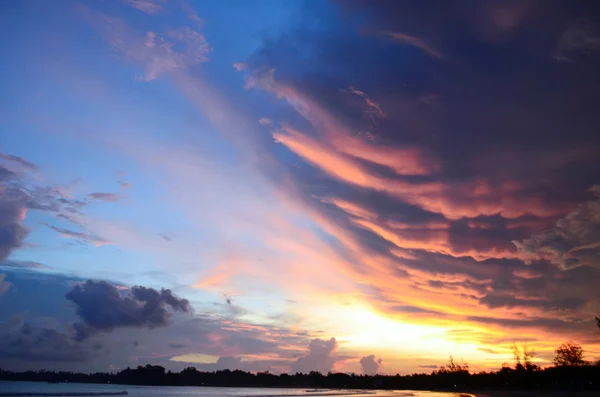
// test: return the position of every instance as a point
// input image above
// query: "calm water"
(189, 391)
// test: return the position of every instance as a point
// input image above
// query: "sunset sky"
(289, 185)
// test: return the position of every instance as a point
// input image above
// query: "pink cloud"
(402, 38)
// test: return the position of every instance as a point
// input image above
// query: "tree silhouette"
(598, 321)
(569, 354)
(524, 355)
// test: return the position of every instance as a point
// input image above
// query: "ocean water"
(8, 388)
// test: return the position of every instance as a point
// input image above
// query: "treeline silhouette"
(452, 377)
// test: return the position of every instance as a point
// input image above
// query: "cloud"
(370, 365)
(373, 110)
(320, 357)
(415, 213)
(4, 285)
(414, 41)
(12, 229)
(211, 331)
(166, 236)
(19, 161)
(422, 206)
(23, 264)
(579, 40)
(82, 237)
(239, 66)
(573, 241)
(159, 53)
(103, 307)
(107, 197)
(150, 7)
(23, 341)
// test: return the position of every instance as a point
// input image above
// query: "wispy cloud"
(20, 161)
(150, 7)
(373, 110)
(107, 197)
(82, 237)
(414, 41)
(157, 52)
(23, 264)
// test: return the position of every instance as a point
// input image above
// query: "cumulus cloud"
(320, 357)
(573, 241)
(104, 307)
(370, 365)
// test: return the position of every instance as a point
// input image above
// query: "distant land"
(448, 378)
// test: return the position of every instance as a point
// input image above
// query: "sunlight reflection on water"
(189, 391)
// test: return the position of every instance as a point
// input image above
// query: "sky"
(354, 186)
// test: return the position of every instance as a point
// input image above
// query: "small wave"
(72, 394)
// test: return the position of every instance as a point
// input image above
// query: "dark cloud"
(103, 307)
(486, 139)
(23, 341)
(370, 364)
(320, 357)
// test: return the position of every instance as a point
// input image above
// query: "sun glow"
(367, 330)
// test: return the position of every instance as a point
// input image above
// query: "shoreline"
(531, 393)
(351, 391)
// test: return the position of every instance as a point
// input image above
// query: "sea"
(40, 389)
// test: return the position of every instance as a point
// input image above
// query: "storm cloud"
(104, 307)
(433, 195)
(22, 341)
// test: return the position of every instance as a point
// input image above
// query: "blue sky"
(295, 172)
